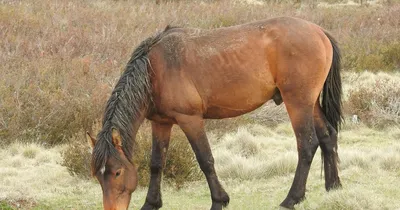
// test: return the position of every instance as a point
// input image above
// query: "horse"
(186, 75)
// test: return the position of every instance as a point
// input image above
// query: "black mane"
(129, 100)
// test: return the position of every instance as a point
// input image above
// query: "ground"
(255, 164)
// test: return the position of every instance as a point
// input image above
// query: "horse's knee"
(333, 134)
(329, 141)
(307, 152)
(156, 165)
(307, 155)
(206, 163)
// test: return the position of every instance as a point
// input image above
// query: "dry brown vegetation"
(374, 98)
(61, 59)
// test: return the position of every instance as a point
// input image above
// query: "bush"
(54, 104)
(181, 164)
(376, 99)
(372, 55)
(391, 55)
(76, 157)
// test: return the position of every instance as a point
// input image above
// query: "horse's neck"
(136, 125)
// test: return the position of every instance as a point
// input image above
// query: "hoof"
(284, 208)
(216, 206)
(333, 186)
(289, 202)
(223, 202)
(148, 206)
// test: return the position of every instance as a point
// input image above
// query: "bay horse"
(185, 75)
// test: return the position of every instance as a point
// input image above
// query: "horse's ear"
(92, 140)
(116, 138)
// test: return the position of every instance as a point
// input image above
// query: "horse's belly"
(238, 100)
(220, 112)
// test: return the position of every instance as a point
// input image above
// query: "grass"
(5, 206)
(256, 177)
(60, 60)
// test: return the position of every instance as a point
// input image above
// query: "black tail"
(332, 92)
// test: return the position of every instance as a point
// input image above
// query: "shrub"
(372, 55)
(53, 105)
(391, 55)
(376, 99)
(181, 164)
(76, 157)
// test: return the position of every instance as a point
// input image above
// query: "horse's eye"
(118, 173)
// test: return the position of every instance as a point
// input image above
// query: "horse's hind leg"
(301, 115)
(327, 137)
(193, 127)
(161, 136)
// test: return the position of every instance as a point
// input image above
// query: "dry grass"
(256, 177)
(27, 180)
(60, 60)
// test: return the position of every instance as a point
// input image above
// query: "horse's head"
(117, 177)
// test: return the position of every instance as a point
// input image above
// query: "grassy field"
(255, 163)
(61, 59)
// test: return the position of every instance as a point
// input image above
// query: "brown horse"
(183, 76)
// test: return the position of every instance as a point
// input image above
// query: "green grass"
(5, 206)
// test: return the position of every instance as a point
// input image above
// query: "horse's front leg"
(193, 127)
(161, 137)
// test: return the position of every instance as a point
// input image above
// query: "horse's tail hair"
(332, 94)
(332, 91)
